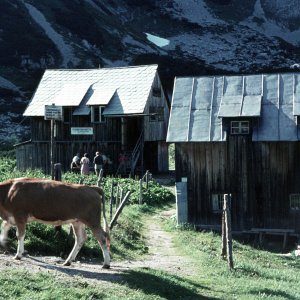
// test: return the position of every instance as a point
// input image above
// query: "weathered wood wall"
(106, 137)
(156, 130)
(259, 175)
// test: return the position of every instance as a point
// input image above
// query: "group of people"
(82, 165)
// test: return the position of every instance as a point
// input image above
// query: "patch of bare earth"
(163, 256)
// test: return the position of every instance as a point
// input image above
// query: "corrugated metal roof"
(200, 103)
(133, 85)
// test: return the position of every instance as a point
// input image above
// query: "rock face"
(184, 37)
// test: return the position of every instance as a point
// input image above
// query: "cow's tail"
(105, 223)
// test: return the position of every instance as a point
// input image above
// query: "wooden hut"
(109, 109)
(239, 135)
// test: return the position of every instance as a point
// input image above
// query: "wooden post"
(52, 149)
(57, 172)
(100, 177)
(228, 232)
(119, 210)
(142, 154)
(141, 191)
(223, 251)
(121, 196)
(117, 195)
(57, 177)
(111, 199)
(147, 180)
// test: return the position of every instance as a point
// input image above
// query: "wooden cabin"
(239, 135)
(109, 109)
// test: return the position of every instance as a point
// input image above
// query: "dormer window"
(97, 114)
(239, 127)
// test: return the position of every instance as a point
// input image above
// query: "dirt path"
(162, 255)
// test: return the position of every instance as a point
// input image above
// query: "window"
(156, 113)
(97, 114)
(217, 202)
(156, 92)
(67, 114)
(295, 201)
(239, 127)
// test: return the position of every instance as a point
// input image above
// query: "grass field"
(258, 274)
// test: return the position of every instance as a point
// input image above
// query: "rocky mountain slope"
(185, 37)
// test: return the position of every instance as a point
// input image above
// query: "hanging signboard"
(53, 112)
(81, 130)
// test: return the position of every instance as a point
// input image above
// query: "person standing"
(75, 164)
(98, 162)
(85, 165)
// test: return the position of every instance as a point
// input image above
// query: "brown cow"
(23, 200)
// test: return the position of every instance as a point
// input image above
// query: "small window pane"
(67, 114)
(295, 201)
(217, 202)
(239, 127)
(97, 114)
(156, 113)
(101, 117)
(244, 130)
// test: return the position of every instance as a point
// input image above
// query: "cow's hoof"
(17, 257)
(67, 263)
(106, 267)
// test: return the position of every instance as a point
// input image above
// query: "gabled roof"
(200, 104)
(124, 90)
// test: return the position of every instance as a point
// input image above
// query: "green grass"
(258, 274)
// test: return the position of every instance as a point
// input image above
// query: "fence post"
(223, 251)
(147, 179)
(100, 177)
(57, 177)
(141, 191)
(228, 231)
(117, 195)
(111, 199)
(57, 172)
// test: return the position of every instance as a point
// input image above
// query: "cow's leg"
(100, 235)
(5, 226)
(20, 235)
(80, 238)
